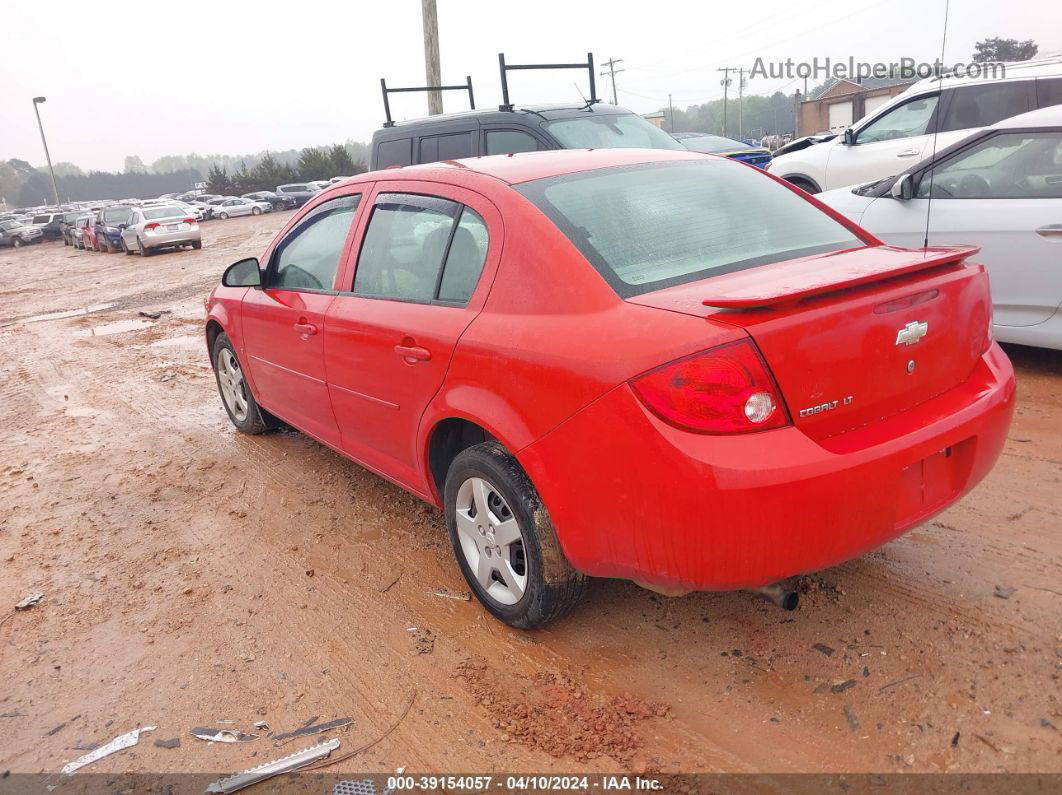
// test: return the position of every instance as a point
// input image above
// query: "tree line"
(313, 163)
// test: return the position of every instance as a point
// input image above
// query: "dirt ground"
(192, 575)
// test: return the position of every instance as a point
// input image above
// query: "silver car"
(164, 226)
(234, 205)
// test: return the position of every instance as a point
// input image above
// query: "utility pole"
(671, 113)
(741, 88)
(612, 72)
(725, 82)
(37, 101)
(432, 69)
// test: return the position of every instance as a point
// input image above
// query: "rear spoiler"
(793, 280)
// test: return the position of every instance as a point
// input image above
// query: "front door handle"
(413, 353)
(1053, 232)
(305, 330)
(908, 153)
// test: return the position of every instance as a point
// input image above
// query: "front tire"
(16, 243)
(236, 396)
(126, 248)
(504, 540)
(256, 211)
(223, 216)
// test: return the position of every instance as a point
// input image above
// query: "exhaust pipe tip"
(781, 594)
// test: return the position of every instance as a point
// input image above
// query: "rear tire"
(240, 405)
(197, 244)
(504, 540)
(144, 250)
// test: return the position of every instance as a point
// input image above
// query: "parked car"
(320, 184)
(67, 226)
(196, 210)
(482, 334)
(234, 205)
(109, 224)
(276, 201)
(152, 228)
(334, 180)
(726, 147)
(523, 129)
(298, 192)
(89, 239)
(932, 112)
(1000, 189)
(50, 224)
(16, 234)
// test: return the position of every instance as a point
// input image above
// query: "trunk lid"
(853, 337)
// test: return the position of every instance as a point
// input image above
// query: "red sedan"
(666, 367)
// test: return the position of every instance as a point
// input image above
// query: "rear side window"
(504, 142)
(445, 147)
(981, 105)
(307, 259)
(652, 226)
(421, 248)
(398, 152)
(1048, 91)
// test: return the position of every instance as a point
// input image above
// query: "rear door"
(283, 321)
(420, 277)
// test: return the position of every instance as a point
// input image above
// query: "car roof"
(548, 112)
(519, 167)
(1044, 117)
(1050, 66)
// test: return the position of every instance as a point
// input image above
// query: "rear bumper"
(178, 238)
(634, 498)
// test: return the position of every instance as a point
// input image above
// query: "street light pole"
(37, 101)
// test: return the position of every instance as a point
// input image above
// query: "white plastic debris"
(283, 765)
(30, 601)
(122, 741)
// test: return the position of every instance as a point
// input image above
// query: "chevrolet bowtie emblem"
(911, 333)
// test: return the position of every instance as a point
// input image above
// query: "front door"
(388, 341)
(283, 322)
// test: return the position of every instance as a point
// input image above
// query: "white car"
(1000, 189)
(932, 112)
(234, 205)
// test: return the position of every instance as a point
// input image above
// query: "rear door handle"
(305, 330)
(413, 353)
(1053, 231)
(908, 153)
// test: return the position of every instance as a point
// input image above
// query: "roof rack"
(387, 105)
(505, 68)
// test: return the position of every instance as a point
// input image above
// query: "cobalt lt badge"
(911, 333)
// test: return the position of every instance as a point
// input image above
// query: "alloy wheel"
(233, 387)
(491, 541)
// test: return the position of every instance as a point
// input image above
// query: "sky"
(152, 79)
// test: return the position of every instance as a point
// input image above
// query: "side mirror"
(849, 136)
(902, 189)
(122, 227)
(245, 273)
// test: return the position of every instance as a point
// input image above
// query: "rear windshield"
(656, 225)
(169, 211)
(610, 131)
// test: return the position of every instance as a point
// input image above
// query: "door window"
(1003, 166)
(504, 142)
(982, 105)
(420, 248)
(909, 119)
(394, 153)
(1048, 91)
(307, 259)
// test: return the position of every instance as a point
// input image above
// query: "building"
(656, 119)
(837, 103)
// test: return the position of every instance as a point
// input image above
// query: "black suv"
(522, 129)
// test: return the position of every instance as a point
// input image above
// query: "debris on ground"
(172, 743)
(1004, 591)
(261, 724)
(151, 315)
(423, 640)
(29, 601)
(446, 593)
(840, 687)
(850, 716)
(955, 739)
(828, 651)
(15, 714)
(222, 735)
(119, 743)
(285, 764)
(312, 728)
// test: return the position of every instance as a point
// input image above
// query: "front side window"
(652, 226)
(905, 121)
(1004, 166)
(610, 131)
(507, 142)
(307, 259)
(982, 105)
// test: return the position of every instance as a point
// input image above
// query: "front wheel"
(504, 540)
(223, 216)
(256, 211)
(236, 395)
(16, 243)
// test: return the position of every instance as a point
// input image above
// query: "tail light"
(190, 221)
(722, 390)
(149, 227)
